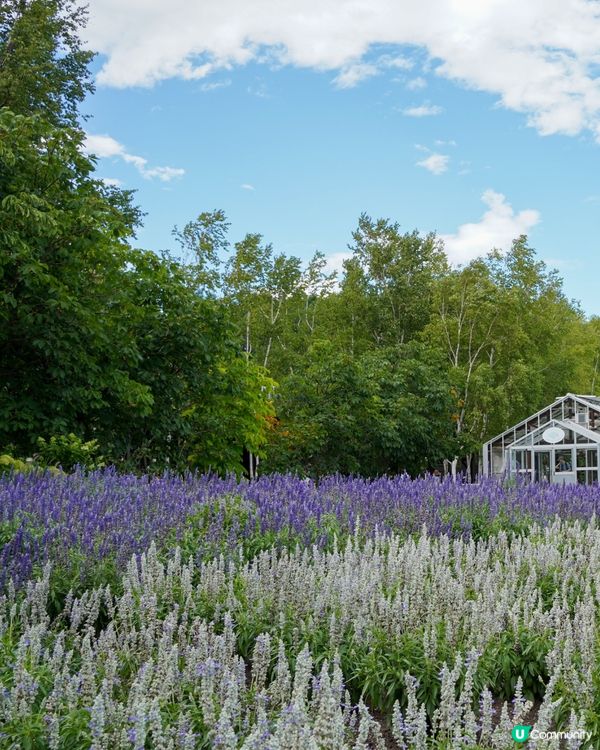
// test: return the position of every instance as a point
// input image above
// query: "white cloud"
(260, 91)
(423, 110)
(215, 85)
(435, 163)
(104, 146)
(464, 167)
(356, 72)
(165, 174)
(416, 83)
(539, 57)
(247, 186)
(399, 62)
(353, 74)
(335, 262)
(112, 181)
(497, 228)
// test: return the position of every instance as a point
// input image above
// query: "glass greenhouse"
(559, 444)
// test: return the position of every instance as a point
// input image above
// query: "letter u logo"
(520, 733)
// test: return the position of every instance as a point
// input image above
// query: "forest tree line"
(226, 345)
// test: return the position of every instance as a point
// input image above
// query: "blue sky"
(295, 143)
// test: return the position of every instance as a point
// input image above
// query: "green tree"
(97, 340)
(243, 280)
(204, 394)
(386, 411)
(399, 273)
(409, 427)
(63, 255)
(264, 291)
(62, 237)
(236, 416)
(318, 284)
(320, 411)
(351, 312)
(588, 344)
(513, 342)
(43, 67)
(202, 243)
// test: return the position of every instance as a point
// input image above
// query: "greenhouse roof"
(529, 438)
(592, 402)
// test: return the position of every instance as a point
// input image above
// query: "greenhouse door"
(542, 466)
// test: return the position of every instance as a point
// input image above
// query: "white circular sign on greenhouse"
(553, 435)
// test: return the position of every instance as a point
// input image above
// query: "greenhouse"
(559, 444)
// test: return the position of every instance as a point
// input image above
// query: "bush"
(10, 464)
(69, 451)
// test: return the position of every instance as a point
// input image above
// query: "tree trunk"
(268, 352)
(248, 335)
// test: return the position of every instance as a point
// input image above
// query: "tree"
(320, 412)
(62, 236)
(468, 314)
(99, 340)
(399, 272)
(318, 284)
(237, 416)
(204, 394)
(352, 311)
(244, 278)
(409, 428)
(202, 244)
(96, 338)
(61, 260)
(512, 341)
(386, 411)
(588, 344)
(43, 67)
(263, 289)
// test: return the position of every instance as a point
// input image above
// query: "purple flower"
(83, 520)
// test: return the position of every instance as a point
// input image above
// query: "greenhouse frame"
(559, 444)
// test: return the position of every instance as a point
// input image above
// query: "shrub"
(10, 464)
(69, 451)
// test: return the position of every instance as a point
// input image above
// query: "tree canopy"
(97, 338)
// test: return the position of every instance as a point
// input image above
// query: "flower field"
(280, 615)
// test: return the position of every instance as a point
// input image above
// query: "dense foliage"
(98, 339)
(405, 352)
